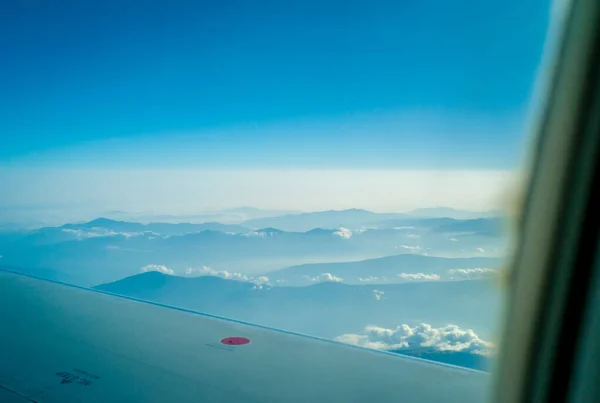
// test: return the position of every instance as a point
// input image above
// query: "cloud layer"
(445, 338)
(325, 277)
(400, 277)
(343, 233)
(258, 282)
(378, 294)
(97, 232)
(477, 273)
(159, 268)
(419, 276)
(408, 247)
(371, 279)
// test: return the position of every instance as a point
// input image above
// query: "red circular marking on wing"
(235, 341)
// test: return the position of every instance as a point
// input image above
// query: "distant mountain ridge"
(233, 215)
(104, 250)
(433, 212)
(359, 219)
(351, 218)
(160, 228)
(388, 269)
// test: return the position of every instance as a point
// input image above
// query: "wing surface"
(61, 344)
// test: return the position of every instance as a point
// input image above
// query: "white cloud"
(97, 232)
(343, 233)
(258, 282)
(281, 281)
(84, 234)
(378, 294)
(413, 236)
(471, 273)
(253, 234)
(260, 234)
(159, 268)
(370, 279)
(404, 227)
(453, 239)
(404, 337)
(419, 276)
(480, 250)
(408, 247)
(325, 277)
(207, 271)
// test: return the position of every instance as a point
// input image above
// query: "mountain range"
(453, 213)
(352, 218)
(332, 274)
(106, 250)
(390, 269)
(359, 219)
(227, 216)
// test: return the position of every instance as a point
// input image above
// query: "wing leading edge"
(60, 343)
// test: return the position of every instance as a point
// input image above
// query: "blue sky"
(176, 106)
(299, 84)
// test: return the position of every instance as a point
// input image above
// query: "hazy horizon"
(63, 195)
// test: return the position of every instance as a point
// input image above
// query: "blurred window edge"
(558, 240)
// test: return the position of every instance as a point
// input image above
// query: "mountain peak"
(270, 229)
(350, 210)
(452, 213)
(98, 222)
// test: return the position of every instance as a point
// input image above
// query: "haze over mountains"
(32, 217)
(453, 213)
(37, 216)
(105, 250)
(384, 280)
(358, 218)
(390, 269)
(233, 215)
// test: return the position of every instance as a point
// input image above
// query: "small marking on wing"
(77, 376)
(235, 341)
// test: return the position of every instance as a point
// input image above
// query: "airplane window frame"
(558, 233)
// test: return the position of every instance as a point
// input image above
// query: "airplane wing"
(61, 344)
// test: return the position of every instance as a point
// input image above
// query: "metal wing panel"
(60, 343)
